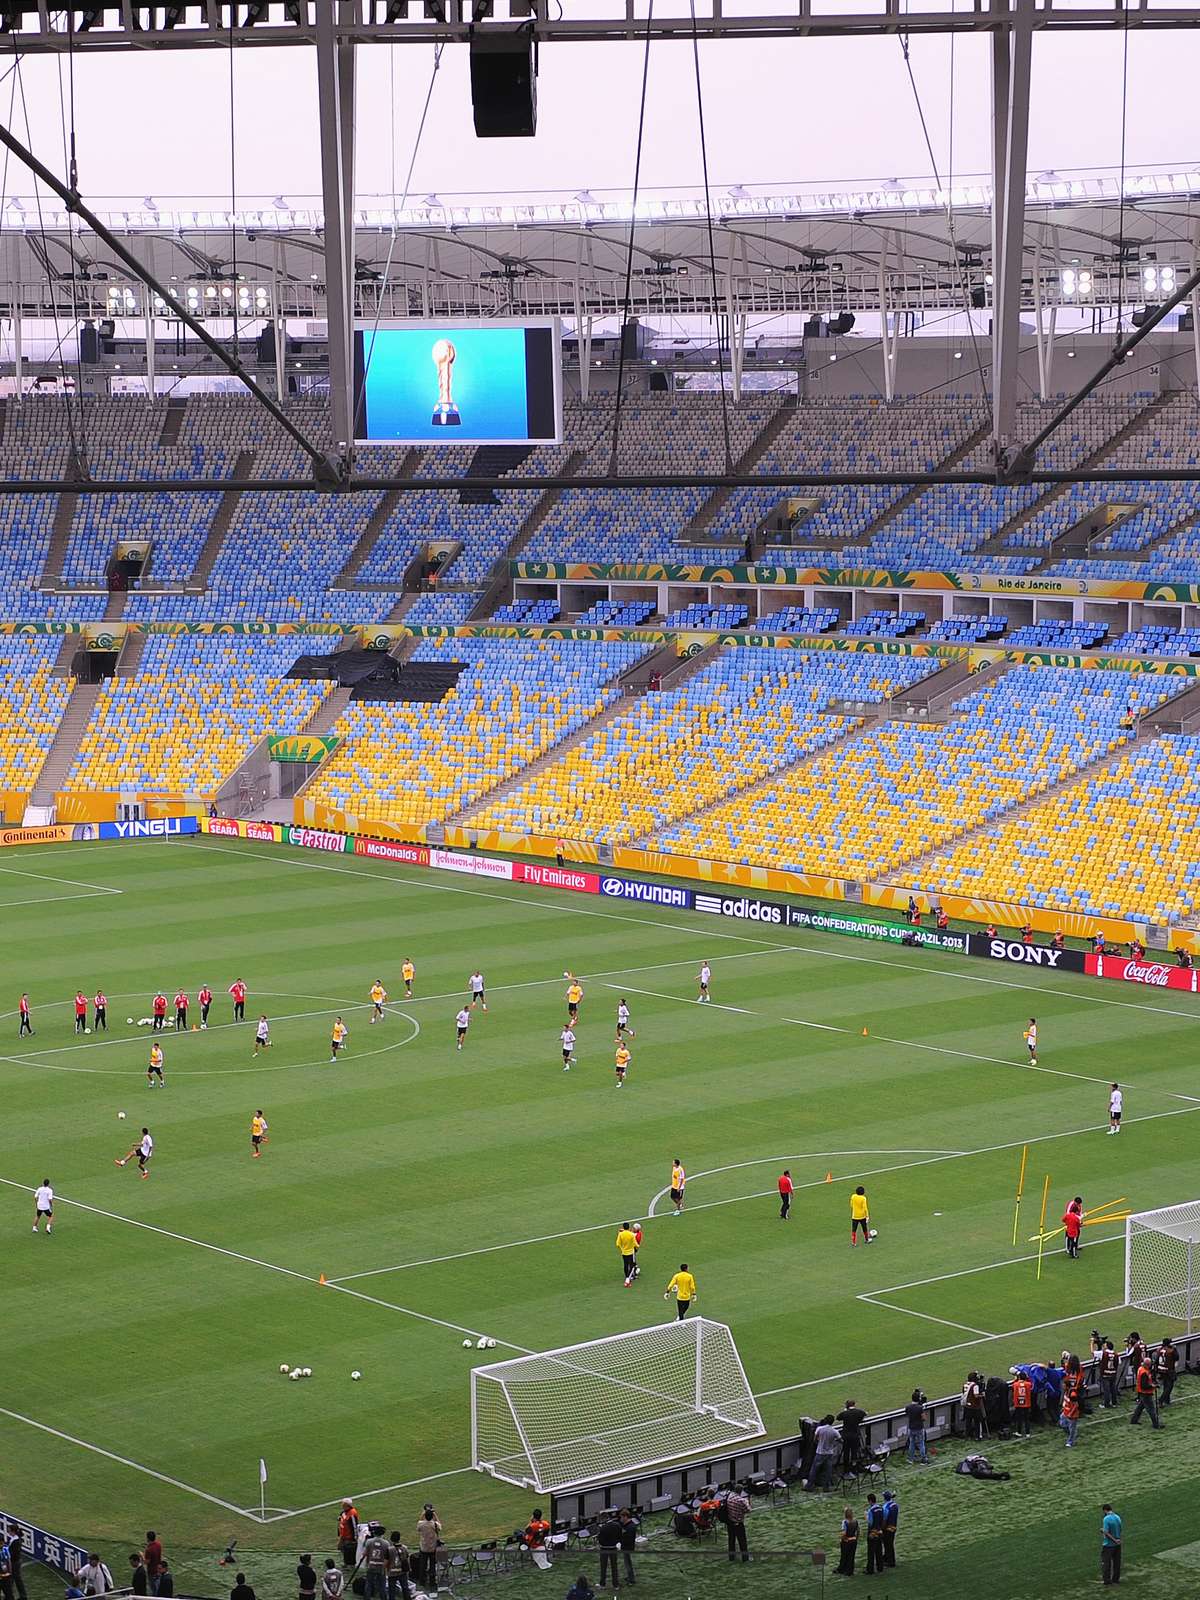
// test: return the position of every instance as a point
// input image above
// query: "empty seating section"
(968, 630)
(885, 624)
(747, 713)
(1156, 640)
(31, 706)
(450, 608)
(854, 435)
(420, 763)
(1058, 636)
(799, 619)
(658, 434)
(616, 614)
(897, 792)
(37, 443)
(194, 710)
(708, 618)
(1120, 842)
(535, 611)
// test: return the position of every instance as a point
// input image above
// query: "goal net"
(1162, 1259)
(612, 1406)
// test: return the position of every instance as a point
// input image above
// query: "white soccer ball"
(295, 1374)
(283, 1367)
(490, 1343)
(481, 1344)
(129, 1022)
(120, 1116)
(874, 1233)
(566, 974)
(306, 1372)
(466, 1344)
(356, 1376)
(87, 1030)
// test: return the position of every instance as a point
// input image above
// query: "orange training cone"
(829, 1177)
(321, 1279)
(864, 1033)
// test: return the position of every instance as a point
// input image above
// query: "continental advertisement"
(856, 578)
(308, 747)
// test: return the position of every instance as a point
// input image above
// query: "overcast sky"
(782, 113)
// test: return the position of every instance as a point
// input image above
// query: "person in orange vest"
(1072, 1395)
(1022, 1405)
(1072, 1221)
(1144, 1387)
(348, 1533)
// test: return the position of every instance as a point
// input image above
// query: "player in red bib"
(181, 1011)
(26, 1022)
(205, 999)
(238, 990)
(786, 1188)
(80, 1011)
(100, 1011)
(158, 1007)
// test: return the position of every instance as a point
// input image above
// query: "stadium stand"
(894, 793)
(412, 763)
(1119, 842)
(31, 706)
(193, 711)
(1155, 639)
(1058, 636)
(532, 611)
(709, 619)
(885, 624)
(969, 630)
(450, 608)
(616, 614)
(799, 619)
(737, 719)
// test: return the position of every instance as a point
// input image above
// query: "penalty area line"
(126, 1461)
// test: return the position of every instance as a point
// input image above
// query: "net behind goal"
(612, 1406)
(1162, 1259)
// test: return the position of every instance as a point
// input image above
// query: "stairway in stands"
(492, 461)
(65, 746)
(220, 525)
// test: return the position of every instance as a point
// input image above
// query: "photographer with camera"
(914, 1416)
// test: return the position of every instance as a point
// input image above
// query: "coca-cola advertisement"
(1151, 974)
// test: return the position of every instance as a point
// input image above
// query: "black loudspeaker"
(658, 383)
(842, 323)
(504, 84)
(814, 328)
(978, 299)
(265, 345)
(633, 340)
(89, 344)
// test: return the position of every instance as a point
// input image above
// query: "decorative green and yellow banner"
(302, 746)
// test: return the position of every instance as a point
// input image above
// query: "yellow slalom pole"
(1111, 1205)
(1042, 1225)
(1020, 1191)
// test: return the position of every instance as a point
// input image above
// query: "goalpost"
(1162, 1259)
(612, 1406)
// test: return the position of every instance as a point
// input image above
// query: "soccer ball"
(356, 1376)
(481, 1344)
(295, 1373)
(306, 1372)
(466, 1344)
(87, 1030)
(120, 1116)
(120, 1162)
(490, 1343)
(873, 1233)
(129, 1022)
(283, 1367)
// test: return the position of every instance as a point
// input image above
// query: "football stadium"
(599, 799)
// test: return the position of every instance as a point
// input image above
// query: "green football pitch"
(443, 1193)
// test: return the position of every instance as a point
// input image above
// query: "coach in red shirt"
(785, 1194)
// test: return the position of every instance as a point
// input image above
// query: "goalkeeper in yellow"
(627, 1244)
(683, 1287)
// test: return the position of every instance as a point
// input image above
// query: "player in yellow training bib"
(338, 1038)
(623, 1058)
(378, 999)
(258, 1133)
(408, 972)
(678, 1184)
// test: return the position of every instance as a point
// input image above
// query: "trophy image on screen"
(445, 413)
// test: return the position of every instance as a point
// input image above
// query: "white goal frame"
(1162, 1261)
(612, 1407)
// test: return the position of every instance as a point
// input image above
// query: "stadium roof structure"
(1007, 243)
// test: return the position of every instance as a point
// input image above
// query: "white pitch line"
(368, 1494)
(421, 1316)
(894, 963)
(49, 877)
(911, 1044)
(57, 899)
(939, 1350)
(598, 1227)
(925, 1316)
(124, 1461)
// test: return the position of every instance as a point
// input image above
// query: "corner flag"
(262, 1470)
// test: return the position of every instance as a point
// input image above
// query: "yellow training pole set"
(1090, 1219)
(1020, 1191)
(1042, 1225)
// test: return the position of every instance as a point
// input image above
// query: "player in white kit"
(43, 1205)
(1116, 1104)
